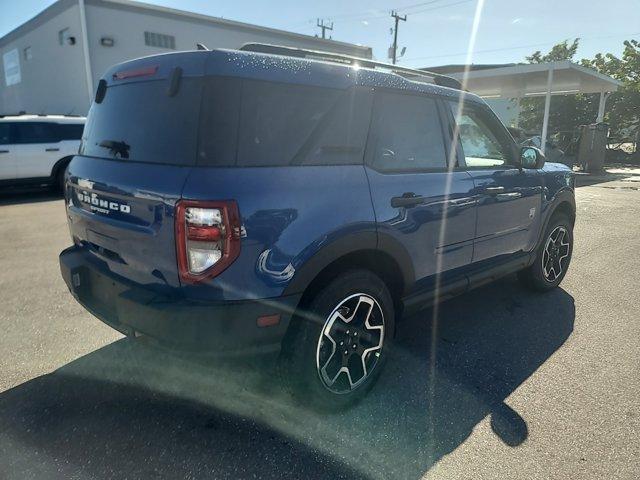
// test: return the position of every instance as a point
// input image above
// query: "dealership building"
(53, 62)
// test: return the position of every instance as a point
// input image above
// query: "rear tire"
(59, 182)
(553, 256)
(336, 348)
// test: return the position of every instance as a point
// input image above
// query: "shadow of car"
(131, 411)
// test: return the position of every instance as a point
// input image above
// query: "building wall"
(126, 26)
(53, 81)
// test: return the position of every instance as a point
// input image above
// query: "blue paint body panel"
(299, 219)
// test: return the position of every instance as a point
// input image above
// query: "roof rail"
(15, 114)
(22, 113)
(409, 73)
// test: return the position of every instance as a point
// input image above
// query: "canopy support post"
(602, 105)
(547, 105)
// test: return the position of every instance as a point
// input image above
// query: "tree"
(569, 111)
(623, 106)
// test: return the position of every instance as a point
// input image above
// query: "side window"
(407, 135)
(29, 132)
(340, 138)
(5, 133)
(69, 131)
(277, 119)
(481, 144)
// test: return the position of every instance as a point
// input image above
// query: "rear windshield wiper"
(115, 147)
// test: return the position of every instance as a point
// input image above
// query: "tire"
(59, 183)
(553, 256)
(353, 312)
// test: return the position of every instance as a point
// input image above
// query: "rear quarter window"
(252, 123)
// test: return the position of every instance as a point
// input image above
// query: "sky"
(436, 32)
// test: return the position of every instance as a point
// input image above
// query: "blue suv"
(275, 200)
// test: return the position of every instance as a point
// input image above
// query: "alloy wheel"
(555, 254)
(350, 343)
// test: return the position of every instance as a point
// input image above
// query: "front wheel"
(336, 349)
(553, 256)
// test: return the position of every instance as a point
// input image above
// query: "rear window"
(140, 122)
(252, 123)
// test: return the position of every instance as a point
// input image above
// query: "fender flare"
(352, 243)
(566, 195)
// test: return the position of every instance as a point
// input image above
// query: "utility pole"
(320, 23)
(397, 18)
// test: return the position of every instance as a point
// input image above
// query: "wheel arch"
(563, 202)
(60, 165)
(384, 257)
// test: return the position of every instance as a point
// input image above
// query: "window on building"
(160, 40)
(63, 36)
(26, 53)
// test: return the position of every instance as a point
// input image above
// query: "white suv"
(36, 149)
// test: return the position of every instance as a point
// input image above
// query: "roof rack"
(409, 73)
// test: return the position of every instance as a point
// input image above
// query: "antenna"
(200, 46)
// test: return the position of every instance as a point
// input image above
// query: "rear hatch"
(138, 147)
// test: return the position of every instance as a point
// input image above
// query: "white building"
(53, 62)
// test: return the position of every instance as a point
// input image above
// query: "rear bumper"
(218, 329)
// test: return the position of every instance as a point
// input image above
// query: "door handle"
(493, 190)
(408, 199)
(4, 151)
(51, 149)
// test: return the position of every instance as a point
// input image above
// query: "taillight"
(207, 238)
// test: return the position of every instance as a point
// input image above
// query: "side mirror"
(531, 157)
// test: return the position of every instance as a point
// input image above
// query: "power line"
(533, 45)
(441, 6)
(379, 13)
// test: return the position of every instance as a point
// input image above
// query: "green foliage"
(561, 51)
(623, 106)
(569, 111)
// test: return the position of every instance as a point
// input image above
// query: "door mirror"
(531, 157)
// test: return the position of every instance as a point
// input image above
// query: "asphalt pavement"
(498, 383)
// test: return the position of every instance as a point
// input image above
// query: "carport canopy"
(540, 79)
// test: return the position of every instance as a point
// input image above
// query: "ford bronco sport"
(281, 200)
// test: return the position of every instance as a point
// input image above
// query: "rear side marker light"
(139, 72)
(268, 320)
(207, 238)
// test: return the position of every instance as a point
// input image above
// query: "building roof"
(62, 5)
(519, 80)
(460, 67)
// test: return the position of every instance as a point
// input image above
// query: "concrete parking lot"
(499, 383)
